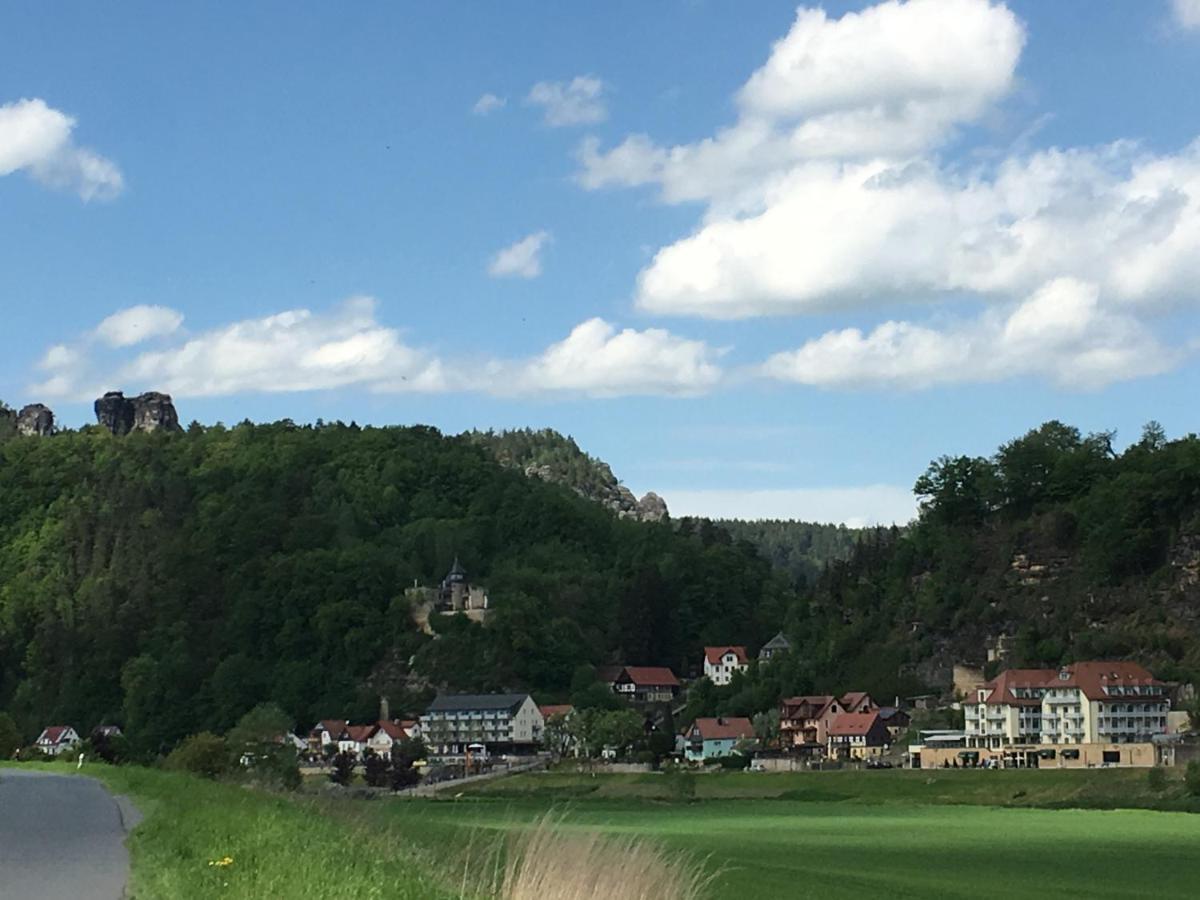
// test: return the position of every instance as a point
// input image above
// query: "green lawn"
(784, 848)
(1079, 788)
(832, 834)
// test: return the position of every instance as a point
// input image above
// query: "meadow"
(829, 834)
(844, 834)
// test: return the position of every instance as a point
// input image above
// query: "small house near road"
(56, 739)
(713, 738)
(857, 735)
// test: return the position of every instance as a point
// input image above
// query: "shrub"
(376, 770)
(343, 769)
(203, 754)
(1156, 778)
(1191, 778)
(111, 748)
(273, 764)
(31, 754)
(734, 762)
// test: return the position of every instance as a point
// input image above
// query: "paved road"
(61, 838)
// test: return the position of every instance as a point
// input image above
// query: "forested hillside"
(1056, 548)
(172, 581)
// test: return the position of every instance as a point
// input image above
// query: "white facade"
(494, 720)
(57, 739)
(721, 671)
(1110, 710)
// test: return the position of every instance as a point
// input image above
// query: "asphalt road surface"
(61, 838)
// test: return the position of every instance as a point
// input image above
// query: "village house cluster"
(1094, 713)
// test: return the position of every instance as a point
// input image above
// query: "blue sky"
(765, 260)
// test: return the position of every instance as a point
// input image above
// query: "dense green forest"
(172, 581)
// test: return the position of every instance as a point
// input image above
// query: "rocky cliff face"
(35, 420)
(606, 491)
(151, 411)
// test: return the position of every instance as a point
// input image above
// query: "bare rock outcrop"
(652, 508)
(35, 420)
(151, 411)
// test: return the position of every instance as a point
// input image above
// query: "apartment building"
(1083, 703)
(501, 722)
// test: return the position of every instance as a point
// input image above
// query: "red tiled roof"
(721, 729)
(855, 698)
(394, 730)
(853, 724)
(1091, 677)
(359, 733)
(818, 703)
(555, 709)
(54, 733)
(1003, 685)
(654, 676)
(609, 673)
(714, 654)
(333, 726)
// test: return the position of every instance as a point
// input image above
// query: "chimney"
(383, 710)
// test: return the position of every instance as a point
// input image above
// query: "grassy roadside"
(1067, 789)
(278, 846)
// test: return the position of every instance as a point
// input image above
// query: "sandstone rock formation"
(608, 492)
(151, 411)
(652, 508)
(35, 420)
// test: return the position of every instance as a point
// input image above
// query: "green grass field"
(829, 834)
(854, 834)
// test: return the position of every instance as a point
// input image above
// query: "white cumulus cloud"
(487, 104)
(37, 139)
(138, 323)
(522, 259)
(830, 193)
(598, 360)
(302, 350)
(579, 101)
(1060, 332)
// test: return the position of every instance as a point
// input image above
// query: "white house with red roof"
(856, 735)
(1082, 703)
(721, 662)
(713, 738)
(325, 733)
(56, 739)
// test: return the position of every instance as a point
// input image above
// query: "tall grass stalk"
(552, 862)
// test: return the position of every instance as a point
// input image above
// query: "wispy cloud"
(38, 139)
(579, 101)
(1186, 13)
(488, 104)
(522, 259)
